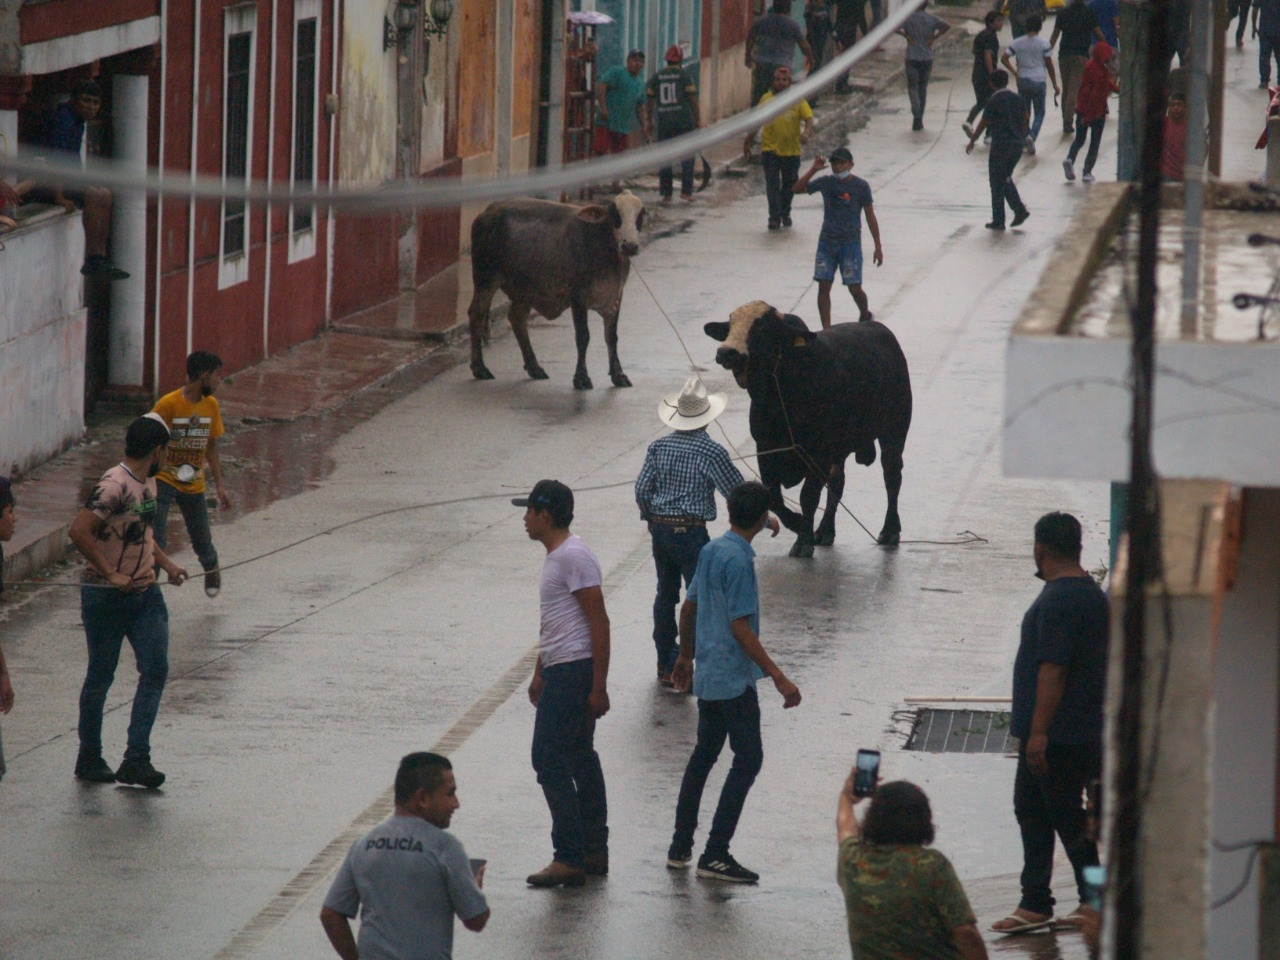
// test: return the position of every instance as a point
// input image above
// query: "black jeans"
(675, 555)
(981, 93)
(1094, 129)
(568, 767)
(1000, 163)
(666, 176)
(918, 85)
(780, 175)
(1053, 804)
(195, 511)
(738, 720)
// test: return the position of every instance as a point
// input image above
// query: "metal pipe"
(195, 156)
(1193, 169)
(126, 352)
(156, 312)
(957, 699)
(271, 168)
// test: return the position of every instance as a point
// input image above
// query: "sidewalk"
(366, 350)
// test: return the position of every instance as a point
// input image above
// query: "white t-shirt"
(566, 634)
(1029, 54)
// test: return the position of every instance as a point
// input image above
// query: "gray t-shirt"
(408, 879)
(920, 28)
(776, 36)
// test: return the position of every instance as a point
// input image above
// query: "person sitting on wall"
(63, 137)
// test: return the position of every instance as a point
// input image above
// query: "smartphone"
(866, 771)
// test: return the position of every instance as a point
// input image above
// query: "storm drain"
(961, 731)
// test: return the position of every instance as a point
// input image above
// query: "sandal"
(1021, 925)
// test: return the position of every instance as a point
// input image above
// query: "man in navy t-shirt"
(1059, 680)
(845, 198)
(62, 139)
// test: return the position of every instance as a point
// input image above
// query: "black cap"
(842, 154)
(552, 496)
(636, 53)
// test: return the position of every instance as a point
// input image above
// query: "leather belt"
(679, 521)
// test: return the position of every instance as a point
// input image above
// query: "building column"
(13, 95)
(126, 360)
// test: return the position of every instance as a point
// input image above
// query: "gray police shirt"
(408, 879)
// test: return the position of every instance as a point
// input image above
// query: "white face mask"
(844, 174)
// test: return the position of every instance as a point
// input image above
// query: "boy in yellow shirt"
(780, 143)
(195, 424)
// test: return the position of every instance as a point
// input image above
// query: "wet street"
(389, 603)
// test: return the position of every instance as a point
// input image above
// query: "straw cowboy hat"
(692, 407)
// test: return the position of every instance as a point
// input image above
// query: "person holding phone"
(408, 878)
(720, 627)
(901, 898)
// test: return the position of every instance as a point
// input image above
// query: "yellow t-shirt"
(782, 134)
(191, 427)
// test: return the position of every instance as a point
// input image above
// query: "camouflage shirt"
(902, 901)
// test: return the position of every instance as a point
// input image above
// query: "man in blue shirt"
(845, 198)
(719, 627)
(63, 136)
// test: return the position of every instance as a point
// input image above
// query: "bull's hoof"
(536, 372)
(824, 538)
(620, 380)
(481, 372)
(802, 548)
(582, 382)
(889, 538)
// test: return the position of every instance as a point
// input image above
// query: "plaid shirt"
(680, 475)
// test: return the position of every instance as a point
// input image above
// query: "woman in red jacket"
(1096, 84)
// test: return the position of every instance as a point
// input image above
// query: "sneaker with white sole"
(722, 866)
(678, 857)
(1068, 169)
(1088, 177)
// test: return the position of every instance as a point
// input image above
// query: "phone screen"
(865, 772)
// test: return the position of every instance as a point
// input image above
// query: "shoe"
(98, 267)
(724, 867)
(687, 197)
(775, 224)
(1262, 85)
(596, 864)
(1020, 217)
(212, 582)
(664, 677)
(665, 201)
(994, 226)
(917, 123)
(968, 129)
(678, 857)
(1016, 924)
(557, 874)
(139, 773)
(786, 221)
(1068, 169)
(1088, 177)
(1030, 149)
(91, 767)
(1068, 131)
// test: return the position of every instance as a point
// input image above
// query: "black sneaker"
(917, 124)
(98, 267)
(139, 773)
(1020, 217)
(678, 857)
(724, 867)
(91, 767)
(212, 582)
(786, 221)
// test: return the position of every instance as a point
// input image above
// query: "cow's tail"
(705, 178)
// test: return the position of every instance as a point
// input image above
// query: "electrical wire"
(1239, 888)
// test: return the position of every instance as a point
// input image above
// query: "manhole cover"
(961, 731)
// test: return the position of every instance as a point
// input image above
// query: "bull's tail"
(705, 178)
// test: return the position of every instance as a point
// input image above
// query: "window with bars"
(304, 118)
(235, 159)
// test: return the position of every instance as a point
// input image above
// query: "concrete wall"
(42, 337)
(367, 135)
(1247, 676)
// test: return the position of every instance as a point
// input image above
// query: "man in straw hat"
(676, 494)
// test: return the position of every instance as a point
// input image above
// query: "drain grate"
(961, 731)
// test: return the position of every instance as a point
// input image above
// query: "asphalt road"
(401, 609)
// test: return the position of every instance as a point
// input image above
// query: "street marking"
(282, 905)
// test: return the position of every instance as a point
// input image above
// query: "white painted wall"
(367, 112)
(1246, 689)
(42, 330)
(129, 234)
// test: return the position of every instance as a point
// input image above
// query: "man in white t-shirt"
(407, 877)
(569, 690)
(1032, 64)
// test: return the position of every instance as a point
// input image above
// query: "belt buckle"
(680, 529)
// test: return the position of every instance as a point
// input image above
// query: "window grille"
(236, 146)
(304, 118)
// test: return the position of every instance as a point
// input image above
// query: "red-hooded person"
(1097, 83)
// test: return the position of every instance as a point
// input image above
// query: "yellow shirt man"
(781, 135)
(193, 428)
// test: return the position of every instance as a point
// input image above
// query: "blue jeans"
(918, 72)
(1001, 162)
(675, 555)
(739, 721)
(568, 767)
(1033, 92)
(846, 256)
(1054, 804)
(110, 616)
(196, 514)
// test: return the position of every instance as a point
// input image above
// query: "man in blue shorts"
(845, 198)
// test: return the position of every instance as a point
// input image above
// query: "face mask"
(844, 175)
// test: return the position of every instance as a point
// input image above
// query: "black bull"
(815, 399)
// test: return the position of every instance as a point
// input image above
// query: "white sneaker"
(1088, 178)
(1068, 170)
(968, 130)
